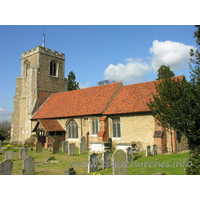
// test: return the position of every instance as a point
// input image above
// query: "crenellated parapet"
(43, 50)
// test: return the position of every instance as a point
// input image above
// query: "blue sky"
(130, 54)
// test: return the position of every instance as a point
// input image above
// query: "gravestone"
(69, 171)
(23, 153)
(64, 146)
(9, 155)
(55, 146)
(106, 159)
(83, 141)
(148, 151)
(50, 158)
(154, 151)
(119, 163)
(129, 155)
(1, 150)
(110, 143)
(134, 148)
(28, 166)
(93, 161)
(38, 147)
(6, 167)
(71, 149)
(81, 148)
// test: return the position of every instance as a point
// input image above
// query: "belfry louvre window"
(72, 128)
(116, 127)
(52, 68)
(95, 126)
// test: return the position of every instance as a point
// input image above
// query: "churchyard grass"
(46, 168)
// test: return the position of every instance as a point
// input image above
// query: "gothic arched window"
(116, 127)
(53, 69)
(72, 129)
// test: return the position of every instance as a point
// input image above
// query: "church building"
(44, 107)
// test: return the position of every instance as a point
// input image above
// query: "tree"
(105, 82)
(72, 84)
(177, 105)
(165, 72)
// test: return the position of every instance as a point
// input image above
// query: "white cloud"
(131, 72)
(173, 54)
(5, 115)
(83, 85)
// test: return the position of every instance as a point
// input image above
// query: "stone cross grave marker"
(93, 161)
(119, 163)
(28, 166)
(9, 155)
(64, 146)
(6, 167)
(71, 149)
(55, 146)
(148, 151)
(129, 154)
(38, 147)
(106, 159)
(110, 143)
(81, 148)
(154, 151)
(23, 153)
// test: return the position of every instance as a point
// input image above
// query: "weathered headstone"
(55, 146)
(23, 153)
(9, 155)
(134, 148)
(119, 163)
(154, 151)
(1, 150)
(110, 143)
(93, 161)
(83, 141)
(106, 159)
(71, 149)
(64, 146)
(129, 155)
(69, 171)
(28, 166)
(50, 158)
(81, 148)
(38, 147)
(148, 151)
(6, 167)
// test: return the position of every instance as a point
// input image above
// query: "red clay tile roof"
(133, 98)
(88, 101)
(51, 125)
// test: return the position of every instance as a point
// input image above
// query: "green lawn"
(168, 163)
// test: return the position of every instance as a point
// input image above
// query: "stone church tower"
(42, 73)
